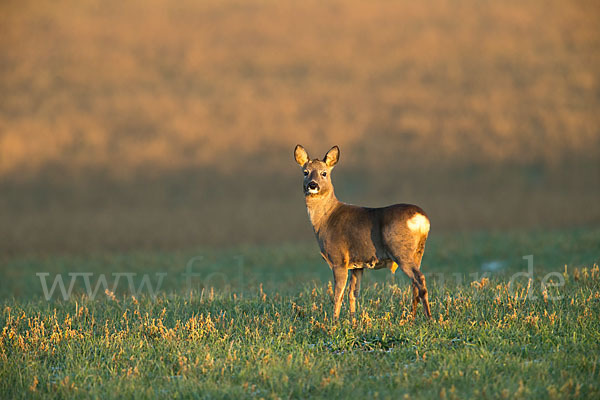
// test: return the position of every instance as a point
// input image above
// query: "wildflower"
(110, 295)
(33, 386)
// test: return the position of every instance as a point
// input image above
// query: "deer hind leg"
(419, 280)
(407, 266)
(354, 290)
(340, 277)
(419, 290)
(422, 286)
(409, 263)
(415, 299)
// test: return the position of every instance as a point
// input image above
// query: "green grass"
(263, 328)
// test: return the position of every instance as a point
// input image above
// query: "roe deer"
(354, 238)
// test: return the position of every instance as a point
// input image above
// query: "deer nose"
(313, 186)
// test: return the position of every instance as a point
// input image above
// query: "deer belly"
(373, 264)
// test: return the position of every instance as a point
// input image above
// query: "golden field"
(155, 124)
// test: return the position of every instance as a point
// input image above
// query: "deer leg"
(408, 259)
(354, 290)
(415, 299)
(340, 277)
(422, 288)
(407, 267)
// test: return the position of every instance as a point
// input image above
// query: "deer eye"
(305, 173)
(323, 174)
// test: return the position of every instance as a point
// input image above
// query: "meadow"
(262, 327)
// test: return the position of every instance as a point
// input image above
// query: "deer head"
(317, 173)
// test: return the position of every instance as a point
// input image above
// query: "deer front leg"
(340, 277)
(354, 290)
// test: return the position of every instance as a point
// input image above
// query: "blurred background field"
(451, 261)
(170, 125)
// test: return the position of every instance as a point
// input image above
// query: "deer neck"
(319, 208)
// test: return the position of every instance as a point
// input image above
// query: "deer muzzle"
(312, 187)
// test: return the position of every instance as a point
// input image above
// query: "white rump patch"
(418, 223)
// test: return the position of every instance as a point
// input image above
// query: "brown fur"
(354, 238)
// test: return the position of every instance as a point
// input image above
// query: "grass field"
(263, 328)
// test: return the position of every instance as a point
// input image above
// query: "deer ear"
(332, 156)
(300, 155)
